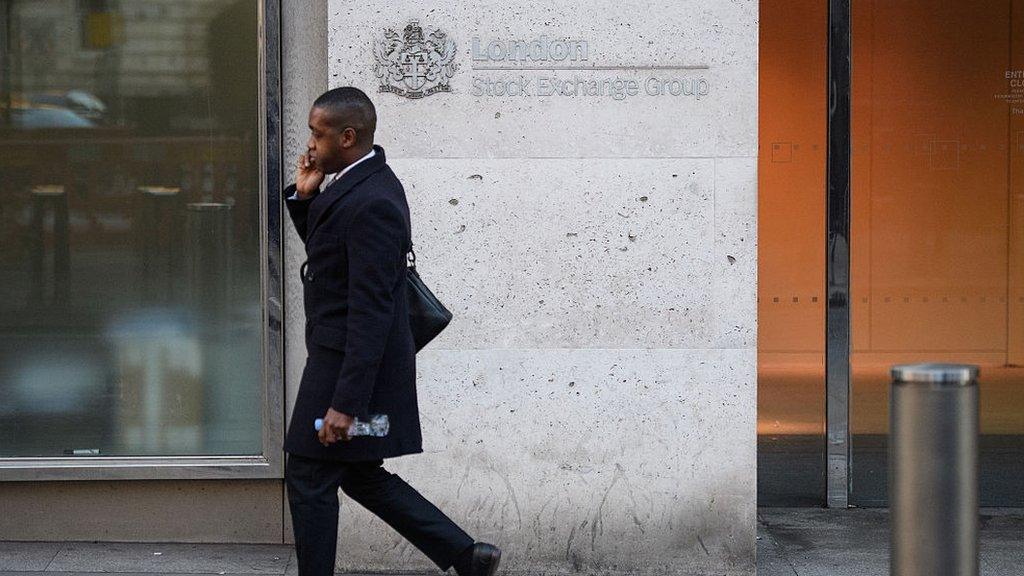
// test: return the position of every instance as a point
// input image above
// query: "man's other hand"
(308, 177)
(335, 427)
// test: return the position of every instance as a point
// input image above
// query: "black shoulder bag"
(427, 316)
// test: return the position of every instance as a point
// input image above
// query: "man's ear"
(348, 137)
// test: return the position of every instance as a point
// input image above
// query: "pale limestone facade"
(592, 405)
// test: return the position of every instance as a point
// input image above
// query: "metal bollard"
(933, 470)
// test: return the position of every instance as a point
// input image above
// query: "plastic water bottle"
(378, 425)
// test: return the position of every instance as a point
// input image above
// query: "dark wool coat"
(361, 357)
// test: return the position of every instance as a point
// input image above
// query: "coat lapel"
(320, 206)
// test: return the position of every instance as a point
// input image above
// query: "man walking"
(361, 357)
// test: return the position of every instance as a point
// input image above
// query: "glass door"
(937, 260)
(791, 253)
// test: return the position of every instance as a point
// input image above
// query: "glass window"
(130, 300)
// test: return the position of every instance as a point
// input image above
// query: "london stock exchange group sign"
(418, 63)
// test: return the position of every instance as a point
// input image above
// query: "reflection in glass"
(129, 228)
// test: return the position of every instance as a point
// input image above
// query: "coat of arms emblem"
(415, 64)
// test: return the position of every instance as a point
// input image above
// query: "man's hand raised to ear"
(308, 177)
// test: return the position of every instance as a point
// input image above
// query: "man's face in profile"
(324, 143)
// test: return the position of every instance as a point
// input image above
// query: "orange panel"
(1015, 86)
(930, 176)
(791, 217)
(791, 177)
(938, 208)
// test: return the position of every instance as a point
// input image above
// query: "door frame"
(837, 260)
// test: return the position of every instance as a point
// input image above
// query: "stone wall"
(592, 405)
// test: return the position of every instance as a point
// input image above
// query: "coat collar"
(342, 186)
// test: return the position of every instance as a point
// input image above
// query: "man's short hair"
(349, 106)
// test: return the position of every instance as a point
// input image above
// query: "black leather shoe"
(485, 559)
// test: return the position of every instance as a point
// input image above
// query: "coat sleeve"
(375, 265)
(298, 210)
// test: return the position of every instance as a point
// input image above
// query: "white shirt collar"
(352, 165)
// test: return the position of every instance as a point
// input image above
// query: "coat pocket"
(326, 263)
(328, 336)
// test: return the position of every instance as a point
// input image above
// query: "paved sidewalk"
(28, 558)
(818, 542)
(791, 542)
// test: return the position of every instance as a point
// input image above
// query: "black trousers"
(313, 499)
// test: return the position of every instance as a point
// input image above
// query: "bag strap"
(411, 257)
